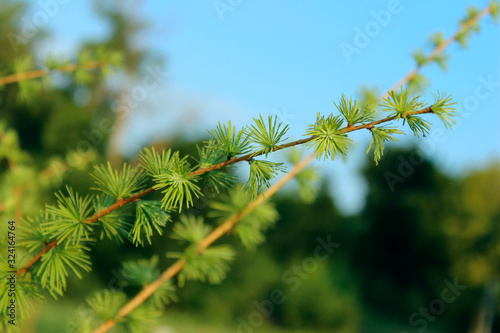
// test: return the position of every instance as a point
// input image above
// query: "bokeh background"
(402, 243)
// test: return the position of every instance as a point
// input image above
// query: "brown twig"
(440, 48)
(37, 257)
(218, 232)
(44, 72)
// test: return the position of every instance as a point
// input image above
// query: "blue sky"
(284, 57)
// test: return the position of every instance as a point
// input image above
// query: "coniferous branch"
(154, 163)
(229, 141)
(47, 247)
(54, 267)
(33, 235)
(261, 172)
(442, 107)
(267, 137)
(114, 225)
(251, 227)
(440, 43)
(208, 156)
(443, 113)
(248, 157)
(327, 136)
(118, 184)
(379, 136)
(143, 272)
(175, 268)
(85, 63)
(354, 112)
(67, 220)
(178, 185)
(149, 216)
(26, 292)
(399, 105)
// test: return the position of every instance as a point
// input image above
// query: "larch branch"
(121, 202)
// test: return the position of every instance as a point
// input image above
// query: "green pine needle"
(191, 229)
(472, 13)
(67, 220)
(418, 83)
(308, 180)
(399, 104)
(267, 138)
(118, 184)
(26, 292)
(218, 180)
(420, 57)
(55, 264)
(114, 225)
(328, 138)
(437, 39)
(211, 265)
(229, 141)
(494, 10)
(418, 125)
(143, 319)
(443, 108)
(354, 112)
(464, 36)
(154, 163)
(83, 321)
(143, 272)
(370, 95)
(442, 61)
(33, 234)
(149, 217)
(178, 186)
(250, 229)
(379, 136)
(209, 155)
(261, 172)
(105, 304)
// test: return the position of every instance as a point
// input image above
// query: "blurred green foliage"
(393, 256)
